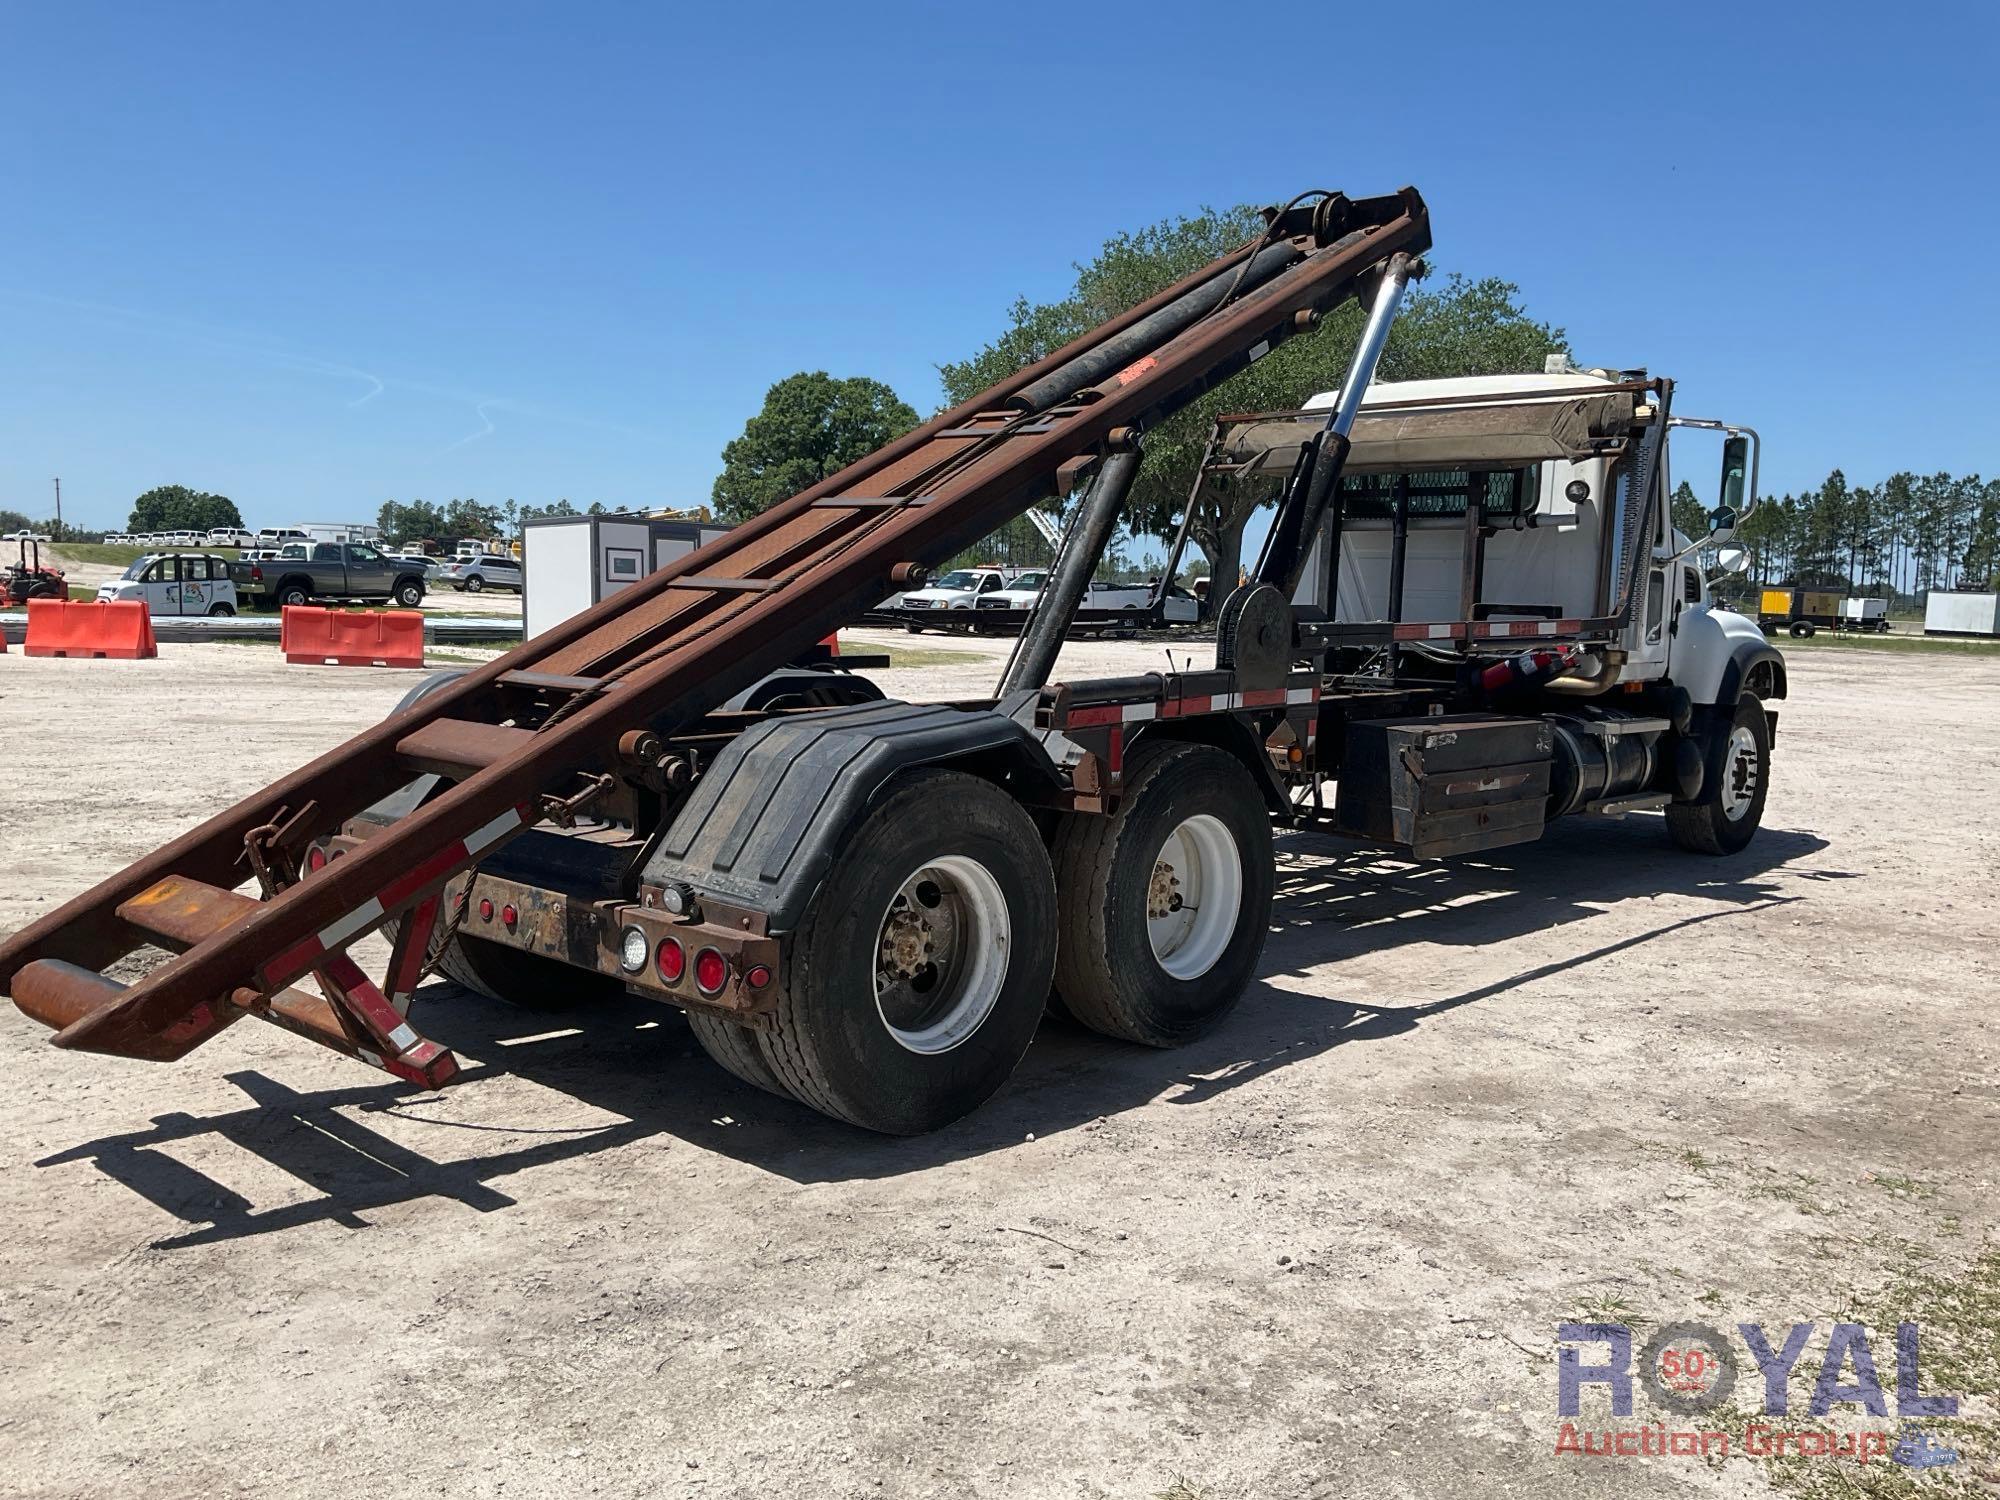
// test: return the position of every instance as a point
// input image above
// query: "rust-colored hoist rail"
(659, 654)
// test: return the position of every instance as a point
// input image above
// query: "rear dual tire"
(1166, 903)
(918, 977)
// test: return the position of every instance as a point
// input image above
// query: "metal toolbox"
(1447, 785)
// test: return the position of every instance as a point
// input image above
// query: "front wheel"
(918, 978)
(1165, 903)
(220, 611)
(409, 593)
(1736, 776)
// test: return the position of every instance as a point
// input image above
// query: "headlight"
(632, 950)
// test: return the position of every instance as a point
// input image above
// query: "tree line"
(1907, 535)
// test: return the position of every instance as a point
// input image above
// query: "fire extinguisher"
(1529, 669)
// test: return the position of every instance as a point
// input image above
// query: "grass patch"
(1904, 1187)
(120, 556)
(1959, 1314)
(1182, 1488)
(919, 656)
(1827, 640)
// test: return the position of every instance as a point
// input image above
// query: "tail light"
(758, 976)
(671, 960)
(315, 859)
(711, 971)
(256, 574)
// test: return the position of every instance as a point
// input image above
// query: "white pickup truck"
(959, 589)
(1180, 607)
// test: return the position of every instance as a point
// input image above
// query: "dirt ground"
(1322, 1252)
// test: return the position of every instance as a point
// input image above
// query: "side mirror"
(1735, 488)
(1733, 560)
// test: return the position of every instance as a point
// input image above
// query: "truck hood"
(937, 596)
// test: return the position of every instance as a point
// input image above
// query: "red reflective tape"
(1094, 715)
(437, 867)
(293, 962)
(1115, 756)
(413, 943)
(1263, 697)
(368, 1004)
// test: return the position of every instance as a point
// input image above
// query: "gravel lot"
(1322, 1252)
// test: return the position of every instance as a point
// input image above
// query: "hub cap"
(1739, 773)
(941, 954)
(1195, 897)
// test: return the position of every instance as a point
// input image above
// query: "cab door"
(368, 571)
(162, 586)
(197, 585)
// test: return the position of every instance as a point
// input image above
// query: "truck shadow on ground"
(633, 1065)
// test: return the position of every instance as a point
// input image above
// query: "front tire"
(1736, 777)
(220, 611)
(918, 977)
(409, 593)
(1165, 904)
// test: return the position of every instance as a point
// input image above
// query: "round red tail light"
(757, 976)
(316, 858)
(509, 916)
(485, 909)
(671, 960)
(710, 971)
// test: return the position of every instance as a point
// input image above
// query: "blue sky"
(315, 257)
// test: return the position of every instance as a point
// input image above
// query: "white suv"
(486, 570)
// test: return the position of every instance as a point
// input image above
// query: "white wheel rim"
(1194, 898)
(1739, 773)
(941, 954)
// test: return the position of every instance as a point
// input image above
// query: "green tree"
(811, 425)
(1690, 520)
(419, 521)
(1462, 327)
(1981, 568)
(175, 507)
(468, 518)
(553, 508)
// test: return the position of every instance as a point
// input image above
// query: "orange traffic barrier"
(352, 638)
(122, 630)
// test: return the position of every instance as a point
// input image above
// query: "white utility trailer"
(1960, 613)
(573, 562)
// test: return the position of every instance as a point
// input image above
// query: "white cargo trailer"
(573, 562)
(1961, 613)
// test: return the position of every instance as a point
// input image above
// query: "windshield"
(132, 573)
(959, 580)
(1029, 581)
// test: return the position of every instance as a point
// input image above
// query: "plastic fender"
(1715, 652)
